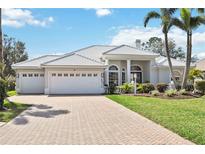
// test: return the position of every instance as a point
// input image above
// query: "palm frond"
(195, 22)
(151, 15)
(172, 11)
(185, 14)
(178, 23)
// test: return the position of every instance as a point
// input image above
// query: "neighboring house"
(88, 70)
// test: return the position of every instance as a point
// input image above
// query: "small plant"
(200, 86)
(139, 88)
(171, 92)
(155, 93)
(126, 88)
(183, 92)
(112, 88)
(189, 87)
(147, 87)
(178, 86)
(162, 87)
(11, 85)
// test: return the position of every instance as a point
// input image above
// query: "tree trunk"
(188, 58)
(169, 59)
(1, 40)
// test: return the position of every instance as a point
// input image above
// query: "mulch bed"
(163, 96)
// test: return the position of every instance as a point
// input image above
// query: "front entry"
(139, 76)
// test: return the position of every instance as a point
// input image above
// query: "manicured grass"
(14, 109)
(185, 117)
(11, 93)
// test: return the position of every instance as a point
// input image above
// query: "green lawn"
(11, 93)
(14, 110)
(185, 117)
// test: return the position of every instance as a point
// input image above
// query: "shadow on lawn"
(44, 111)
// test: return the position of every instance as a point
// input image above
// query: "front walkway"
(82, 120)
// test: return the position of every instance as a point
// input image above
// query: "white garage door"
(75, 83)
(32, 83)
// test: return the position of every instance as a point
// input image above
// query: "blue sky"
(49, 31)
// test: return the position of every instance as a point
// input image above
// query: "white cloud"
(103, 12)
(128, 35)
(20, 17)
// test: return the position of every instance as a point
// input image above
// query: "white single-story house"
(88, 70)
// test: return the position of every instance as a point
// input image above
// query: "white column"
(107, 71)
(128, 70)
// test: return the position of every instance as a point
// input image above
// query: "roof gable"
(128, 50)
(73, 59)
(36, 62)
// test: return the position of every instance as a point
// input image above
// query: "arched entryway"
(136, 69)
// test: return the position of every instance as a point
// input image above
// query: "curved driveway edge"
(82, 120)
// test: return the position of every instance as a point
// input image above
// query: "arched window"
(113, 68)
(113, 75)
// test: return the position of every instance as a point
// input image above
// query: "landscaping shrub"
(162, 87)
(183, 92)
(147, 87)
(200, 85)
(139, 88)
(11, 85)
(155, 93)
(112, 88)
(189, 87)
(171, 92)
(126, 88)
(178, 87)
(2, 92)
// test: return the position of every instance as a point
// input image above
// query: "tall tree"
(188, 23)
(1, 47)
(14, 52)
(156, 44)
(165, 15)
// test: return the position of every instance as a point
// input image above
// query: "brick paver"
(82, 120)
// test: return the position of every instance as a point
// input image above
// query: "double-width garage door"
(75, 83)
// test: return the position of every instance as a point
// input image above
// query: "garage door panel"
(32, 85)
(75, 84)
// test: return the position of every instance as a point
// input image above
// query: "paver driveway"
(82, 120)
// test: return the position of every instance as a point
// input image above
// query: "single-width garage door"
(75, 83)
(32, 83)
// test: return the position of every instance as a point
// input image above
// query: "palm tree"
(165, 15)
(188, 23)
(1, 44)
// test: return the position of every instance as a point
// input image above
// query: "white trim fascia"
(26, 67)
(73, 66)
(129, 57)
